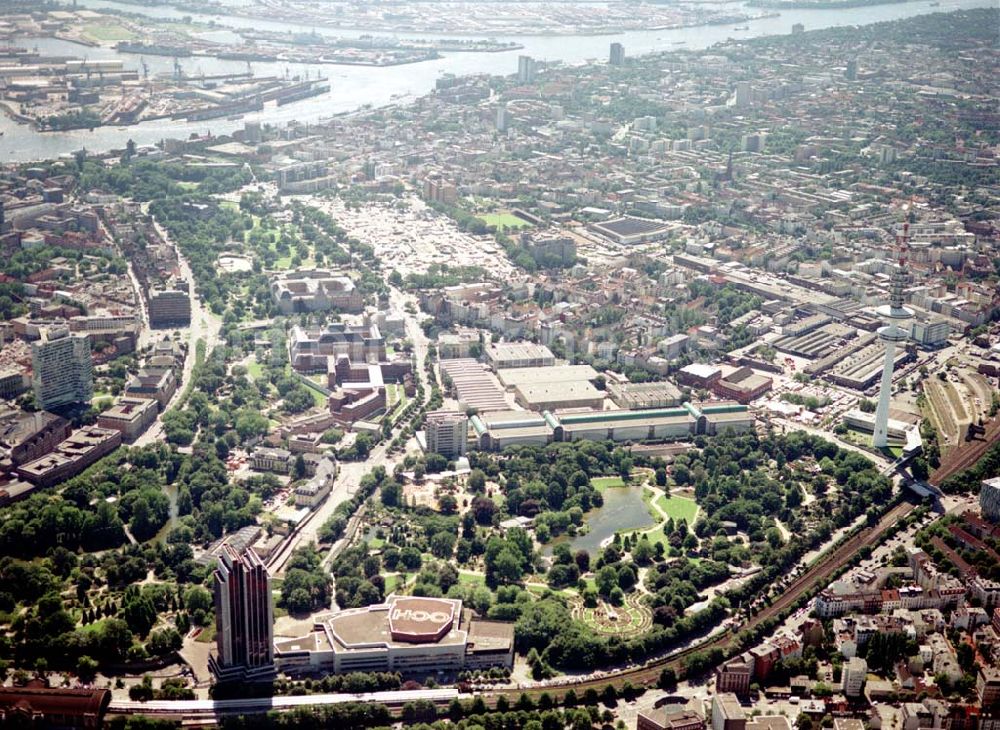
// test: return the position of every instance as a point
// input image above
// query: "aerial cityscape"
(500, 364)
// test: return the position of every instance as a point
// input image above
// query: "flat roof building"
(699, 375)
(501, 355)
(71, 456)
(475, 387)
(406, 633)
(513, 377)
(643, 396)
(554, 396)
(130, 416)
(727, 713)
(630, 230)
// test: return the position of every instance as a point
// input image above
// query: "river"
(355, 86)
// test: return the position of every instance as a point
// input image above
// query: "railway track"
(817, 575)
(965, 455)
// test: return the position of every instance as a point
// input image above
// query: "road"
(350, 473)
(205, 326)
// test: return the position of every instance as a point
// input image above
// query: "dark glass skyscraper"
(244, 618)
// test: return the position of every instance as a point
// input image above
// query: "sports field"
(504, 221)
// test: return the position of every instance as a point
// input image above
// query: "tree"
(86, 668)
(507, 567)
(299, 470)
(477, 481)
(197, 597)
(138, 611)
(447, 504)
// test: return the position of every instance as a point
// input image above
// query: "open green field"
(680, 508)
(602, 483)
(467, 577)
(108, 32)
(255, 370)
(504, 221)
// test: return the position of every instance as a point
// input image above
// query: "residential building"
(13, 382)
(988, 686)
(61, 365)
(244, 618)
(447, 433)
(853, 676)
(526, 70)
(617, 55)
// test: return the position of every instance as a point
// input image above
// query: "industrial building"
(511, 378)
(475, 387)
(699, 375)
(555, 396)
(502, 355)
(862, 369)
(405, 634)
(642, 396)
(742, 385)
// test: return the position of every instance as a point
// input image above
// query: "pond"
(623, 509)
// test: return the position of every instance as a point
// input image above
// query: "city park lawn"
(680, 508)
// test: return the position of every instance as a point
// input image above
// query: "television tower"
(893, 313)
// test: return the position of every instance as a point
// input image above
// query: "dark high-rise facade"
(244, 618)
